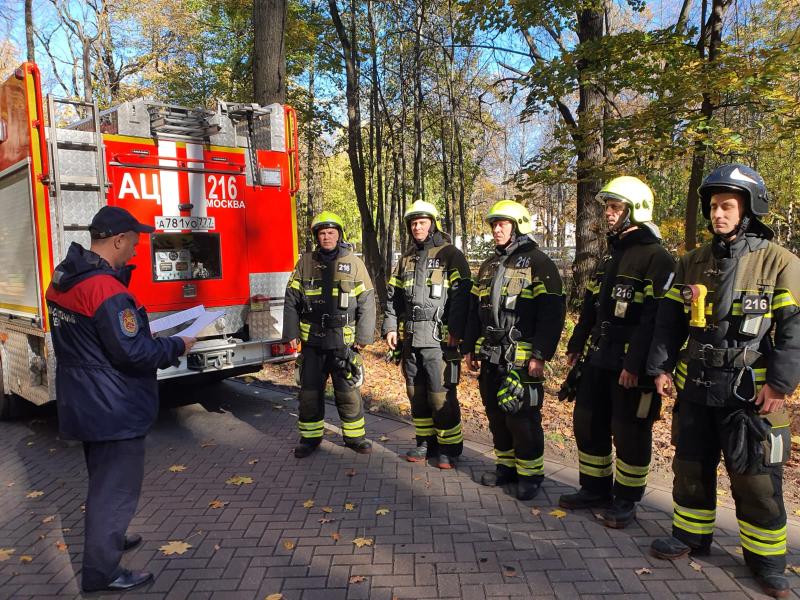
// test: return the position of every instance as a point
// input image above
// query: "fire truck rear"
(218, 186)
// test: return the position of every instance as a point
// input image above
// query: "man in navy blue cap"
(106, 387)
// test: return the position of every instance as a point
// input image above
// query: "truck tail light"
(284, 349)
(259, 302)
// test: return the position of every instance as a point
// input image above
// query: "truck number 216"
(223, 187)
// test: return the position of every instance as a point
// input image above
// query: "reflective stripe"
(424, 427)
(632, 469)
(295, 284)
(450, 436)
(348, 334)
(311, 429)
(674, 293)
(694, 520)
(630, 475)
(766, 535)
(353, 428)
(479, 344)
(395, 282)
(504, 457)
(765, 542)
(594, 466)
(359, 289)
(782, 299)
(530, 467)
(592, 459)
(692, 526)
(305, 330)
(454, 276)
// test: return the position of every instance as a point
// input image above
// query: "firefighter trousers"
(316, 365)
(701, 434)
(431, 379)
(518, 439)
(605, 412)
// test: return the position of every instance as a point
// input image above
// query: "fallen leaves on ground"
(34, 494)
(797, 512)
(384, 438)
(274, 597)
(351, 473)
(49, 519)
(558, 514)
(218, 504)
(510, 571)
(5, 553)
(10, 484)
(240, 480)
(695, 566)
(324, 520)
(796, 439)
(382, 511)
(349, 506)
(61, 546)
(360, 542)
(177, 468)
(25, 558)
(207, 444)
(327, 509)
(336, 536)
(794, 569)
(721, 492)
(643, 571)
(174, 547)
(252, 461)
(308, 503)
(288, 544)
(357, 579)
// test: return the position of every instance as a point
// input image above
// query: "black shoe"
(361, 447)
(446, 462)
(131, 542)
(500, 476)
(584, 498)
(528, 486)
(621, 514)
(127, 581)
(672, 548)
(773, 584)
(420, 453)
(303, 449)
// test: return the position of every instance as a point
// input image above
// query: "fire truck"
(218, 186)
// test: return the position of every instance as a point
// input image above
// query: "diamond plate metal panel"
(271, 285)
(24, 368)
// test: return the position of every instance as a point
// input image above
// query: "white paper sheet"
(176, 319)
(203, 321)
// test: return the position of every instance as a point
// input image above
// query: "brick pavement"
(445, 536)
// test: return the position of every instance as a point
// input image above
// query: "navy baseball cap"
(113, 220)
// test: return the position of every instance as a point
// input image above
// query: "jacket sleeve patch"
(128, 322)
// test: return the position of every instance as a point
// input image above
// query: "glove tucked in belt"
(511, 394)
(352, 365)
(745, 451)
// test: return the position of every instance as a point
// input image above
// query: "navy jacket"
(106, 358)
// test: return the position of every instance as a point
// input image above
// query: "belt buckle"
(702, 355)
(418, 313)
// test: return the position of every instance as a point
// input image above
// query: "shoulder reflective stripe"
(783, 298)
(395, 282)
(359, 289)
(295, 285)
(454, 276)
(674, 293)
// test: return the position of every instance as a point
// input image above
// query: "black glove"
(569, 389)
(511, 393)
(745, 451)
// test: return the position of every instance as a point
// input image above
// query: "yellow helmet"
(420, 209)
(327, 219)
(511, 211)
(633, 192)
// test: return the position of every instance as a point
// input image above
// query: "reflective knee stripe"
(694, 520)
(309, 429)
(530, 467)
(766, 542)
(594, 466)
(630, 475)
(450, 436)
(424, 427)
(504, 457)
(354, 428)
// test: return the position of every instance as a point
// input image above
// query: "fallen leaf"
(5, 553)
(308, 503)
(721, 492)
(357, 578)
(535, 512)
(695, 566)
(336, 536)
(643, 571)
(738, 550)
(599, 516)
(274, 597)
(796, 439)
(34, 494)
(351, 473)
(417, 477)
(349, 506)
(510, 571)
(327, 509)
(51, 450)
(324, 520)
(216, 547)
(218, 504)
(373, 409)
(384, 438)
(30, 443)
(175, 547)
(288, 544)
(66, 530)
(239, 480)
(558, 514)
(177, 468)
(10, 484)
(207, 444)
(248, 380)
(360, 542)
(49, 519)
(252, 461)
(83, 508)
(794, 569)
(25, 558)
(382, 511)
(797, 512)
(61, 546)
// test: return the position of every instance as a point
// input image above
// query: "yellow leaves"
(25, 558)
(721, 492)
(382, 511)
(357, 579)
(797, 513)
(327, 509)
(643, 571)
(325, 520)
(796, 439)
(349, 506)
(384, 438)
(336, 536)
(49, 519)
(61, 546)
(308, 503)
(34, 494)
(558, 514)
(794, 569)
(175, 547)
(177, 468)
(360, 542)
(288, 544)
(535, 512)
(218, 504)
(239, 480)
(5, 553)
(695, 566)
(274, 597)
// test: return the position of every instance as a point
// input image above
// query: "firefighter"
(516, 316)
(330, 306)
(428, 301)
(615, 398)
(734, 303)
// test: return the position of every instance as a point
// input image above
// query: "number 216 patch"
(755, 304)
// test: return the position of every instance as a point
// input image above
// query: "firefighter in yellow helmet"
(516, 317)
(428, 300)
(729, 330)
(616, 401)
(330, 306)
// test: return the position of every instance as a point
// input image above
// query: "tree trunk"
(419, 192)
(29, 30)
(311, 139)
(269, 51)
(369, 240)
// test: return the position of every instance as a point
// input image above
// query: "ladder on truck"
(78, 178)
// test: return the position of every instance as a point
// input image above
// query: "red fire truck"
(218, 185)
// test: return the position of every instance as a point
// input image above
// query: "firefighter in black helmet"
(734, 304)
(515, 322)
(330, 306)
(615, 398)
(424, 324)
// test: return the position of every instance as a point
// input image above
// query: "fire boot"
(501, 476)
(773, 584)
(672, 548)
(305, 448)
(528, 486)
(446, 462)
(620, 514)
(424, 449)
(361, 446)
(584, 498)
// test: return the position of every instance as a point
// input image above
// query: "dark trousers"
(701, 434)
(116, 471)
(604, 410)
(316, 365)
(431, 383)
(518, 439)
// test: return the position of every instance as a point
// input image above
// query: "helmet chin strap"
(741, 228)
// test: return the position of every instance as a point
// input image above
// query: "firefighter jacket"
(517, 309)
(621, 301)
(330, 302)
(106, 358)
(428, 295)
(751, 333)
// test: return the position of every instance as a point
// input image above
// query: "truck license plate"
(180, 222)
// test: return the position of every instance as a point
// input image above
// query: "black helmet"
(737, 178)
